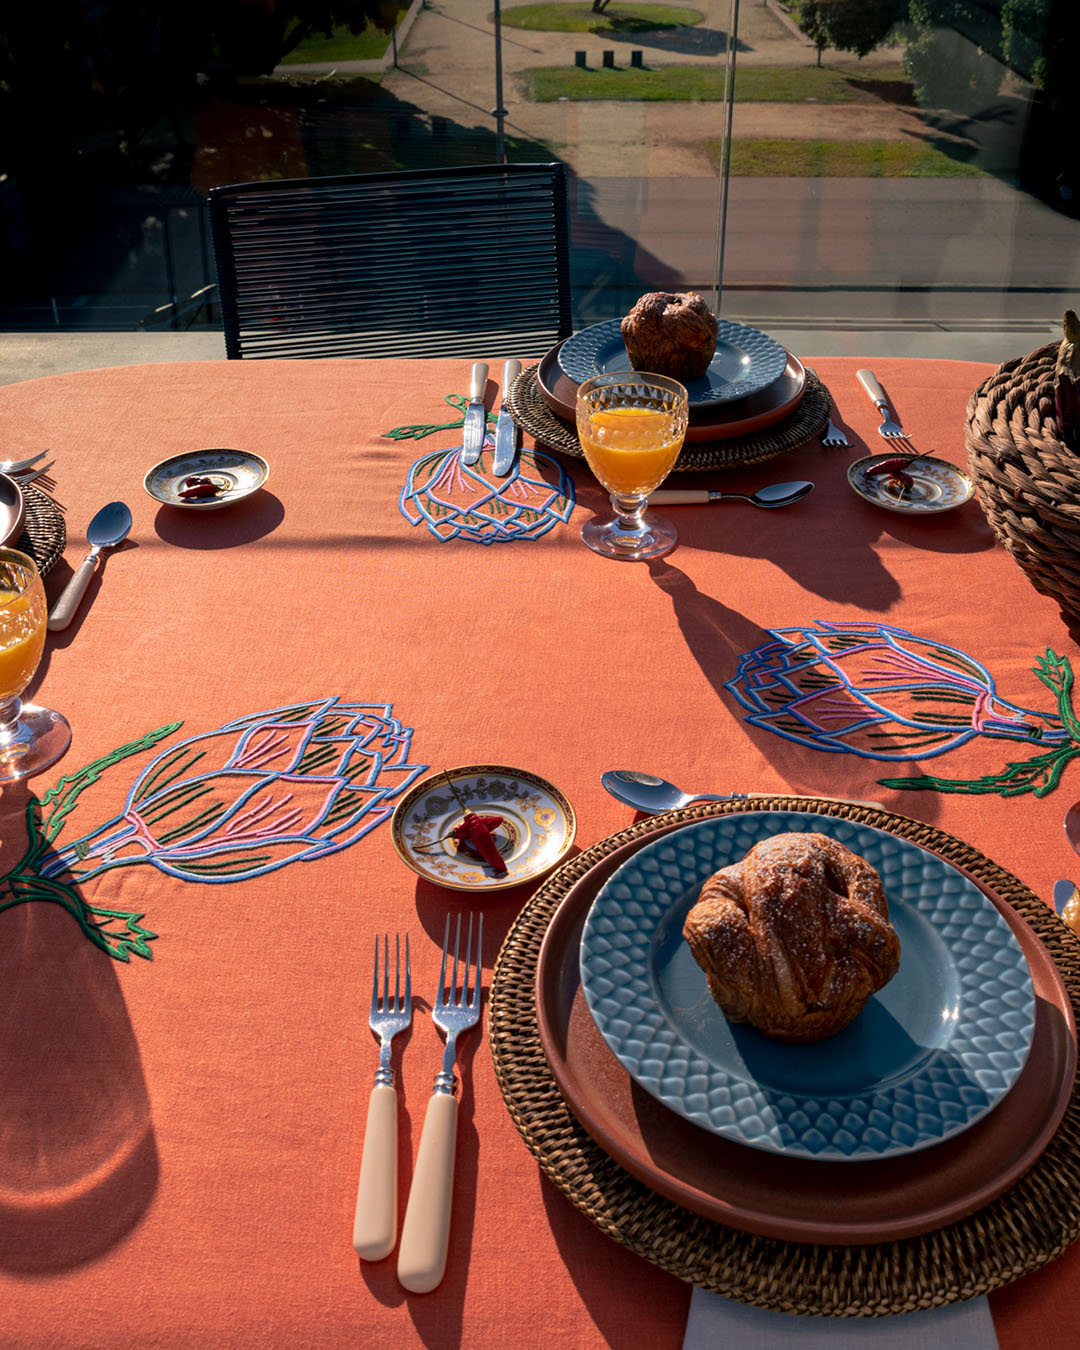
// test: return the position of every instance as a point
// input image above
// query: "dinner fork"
(14, 466)
(890, 428)
(31, 475)
(425, 1234)
(375, 1225)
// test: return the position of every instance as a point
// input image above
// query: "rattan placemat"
(44, 534)
(530, 410)
(1023, 1229)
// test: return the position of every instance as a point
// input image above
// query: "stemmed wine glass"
(31, 738)
(631, 425)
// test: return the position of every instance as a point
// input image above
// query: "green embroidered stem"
(1056, 673)
(63, 797)
(418, 430)
(1037, 776)
(95, 923)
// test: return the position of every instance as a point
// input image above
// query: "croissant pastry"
(795, 938)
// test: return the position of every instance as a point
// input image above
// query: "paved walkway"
(446, 67)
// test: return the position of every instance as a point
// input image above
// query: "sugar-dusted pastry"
(670, 333)
(795, 938)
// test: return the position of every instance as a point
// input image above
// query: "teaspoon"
(775, 494)
(650, 795)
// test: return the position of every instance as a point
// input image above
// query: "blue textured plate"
(746, 360)
(931, 1053)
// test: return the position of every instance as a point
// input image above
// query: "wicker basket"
(1028, 482)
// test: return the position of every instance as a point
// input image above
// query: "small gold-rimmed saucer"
(235, 473)
(936, 485)
(538, 826)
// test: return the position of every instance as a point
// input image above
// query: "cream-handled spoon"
(775, 494)
(650, 795)
(108, 528)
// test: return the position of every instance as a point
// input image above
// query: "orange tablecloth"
(180, 1138)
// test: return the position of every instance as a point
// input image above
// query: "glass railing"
(826, 164)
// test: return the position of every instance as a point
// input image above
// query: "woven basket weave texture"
(1026, 479)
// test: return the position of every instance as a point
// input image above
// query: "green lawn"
(343, 44)
(839, 159)
(705, 84)
(615, 19)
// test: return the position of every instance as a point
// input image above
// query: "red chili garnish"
(889, 466)
(476, 830)
(206, 489)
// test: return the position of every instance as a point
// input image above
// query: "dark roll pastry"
(671, 334)
(795, 938)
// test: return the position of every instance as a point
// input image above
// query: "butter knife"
(475, 415)
(506, 432)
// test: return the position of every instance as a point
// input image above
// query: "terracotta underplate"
(797, 1199)
(742, 418)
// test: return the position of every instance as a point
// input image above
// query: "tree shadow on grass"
(898, 92)
(681, 41)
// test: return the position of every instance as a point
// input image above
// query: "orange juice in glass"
(631, 426)
(31, 738)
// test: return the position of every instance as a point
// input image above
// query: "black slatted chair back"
(471, 261)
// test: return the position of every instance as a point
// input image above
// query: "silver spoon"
(108, 528)
(649, 794)
(775, 494)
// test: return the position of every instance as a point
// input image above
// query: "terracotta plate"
(797, 1199)
(742, 418)
(12, 510)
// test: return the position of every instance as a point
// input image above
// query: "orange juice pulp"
(630, 450)
(22, 637)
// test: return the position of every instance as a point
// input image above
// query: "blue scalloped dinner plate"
(746, 361)
(932, 1052)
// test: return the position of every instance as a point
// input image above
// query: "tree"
(849, 25)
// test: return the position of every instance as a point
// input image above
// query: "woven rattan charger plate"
(1024, 1229)
(44, 534)
(530, 410)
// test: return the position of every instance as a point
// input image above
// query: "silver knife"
(506, 432)
(475, 415)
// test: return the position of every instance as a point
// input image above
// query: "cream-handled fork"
(375, 1224)
(890, 428)
(425, 1234)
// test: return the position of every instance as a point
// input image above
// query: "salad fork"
(375, 1225)
(890, 428)
(834, 437)
(425, 1234)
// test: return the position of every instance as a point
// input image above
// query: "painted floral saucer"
(537, 829)
(936, 485)
(234, 474)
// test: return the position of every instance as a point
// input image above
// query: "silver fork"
(29, 475)
(375, 1225)
(14, 466)
(834, 437)
(890, 428)
(425, 1234)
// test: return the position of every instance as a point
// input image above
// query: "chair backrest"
(471, 261)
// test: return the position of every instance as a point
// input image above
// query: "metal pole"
(498, 112)
(725, 169)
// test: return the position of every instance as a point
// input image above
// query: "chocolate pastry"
(670, 334)
(795, 938)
